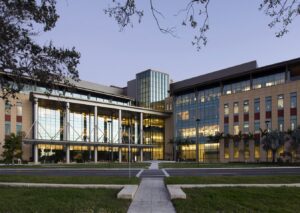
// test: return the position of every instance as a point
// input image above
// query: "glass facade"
(81, 127)
(49, 124)
(202, 105)
(152, 89)
(269, 80)
(240, 86)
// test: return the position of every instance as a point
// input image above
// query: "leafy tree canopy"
(12, 148)
(196, 15)
(21, 56)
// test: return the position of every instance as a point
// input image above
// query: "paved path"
(152, 196)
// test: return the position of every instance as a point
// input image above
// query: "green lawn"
(233, 179)
(82, 165)
(68, 179)
(61, 200)
(222, 165)
(240, 200)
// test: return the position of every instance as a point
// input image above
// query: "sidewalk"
(152, 196)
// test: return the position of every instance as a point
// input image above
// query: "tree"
(295, 135)
(12, 148)
(272, 141)
(22, 60)
(196, 15)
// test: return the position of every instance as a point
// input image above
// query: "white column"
(95, 154)
(136, 130)
(36, 154)
(95, 133)
(120, 126)
(120, 134)
(67, 131)
(68, 154)
(96, 124)
(141, 135)
(35, 130)
(90, 127)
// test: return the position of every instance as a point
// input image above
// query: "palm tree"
(12, 148)
(272, 141)
(295, 135)
(215, 138)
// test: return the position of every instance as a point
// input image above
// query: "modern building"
(155, 119)
(150, 88)
(93, 122)
(239, 100)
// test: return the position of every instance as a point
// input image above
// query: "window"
(280, 102)
(268, 104)
(246, 127)
(270, 80)
(293, 122)
(293, 100)
(236, 108)
(19, 128)
(246, 106)
(7, 128)
(257, 149)
(7, 108)
(281, 124)
(268, 124)
(226, 129)
(236, 129)
(19, 109)
(256, 105)
(256, 126)
(226, 109)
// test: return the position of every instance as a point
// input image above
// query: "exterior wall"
(26, 122)
(169, 128)
(273, 91)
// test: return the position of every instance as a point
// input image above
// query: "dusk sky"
(238, 33)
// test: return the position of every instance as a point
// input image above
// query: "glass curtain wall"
(153, 133)
(202, 107)
(81, 126)
(50, 124)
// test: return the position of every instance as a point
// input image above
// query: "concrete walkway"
(154, 165)
(151, 196)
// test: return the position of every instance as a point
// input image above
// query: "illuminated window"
(256, 149)
(246, 106)
(246, 127)
(293, 122)
(236, 129)
(280, 102)
(226, 109)
(280, 124)
(236, 108)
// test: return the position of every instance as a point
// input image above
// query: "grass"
(61, 200)
(69, 179)
(233, 179)
(240, 200)
(105, 165)
(223, 165)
